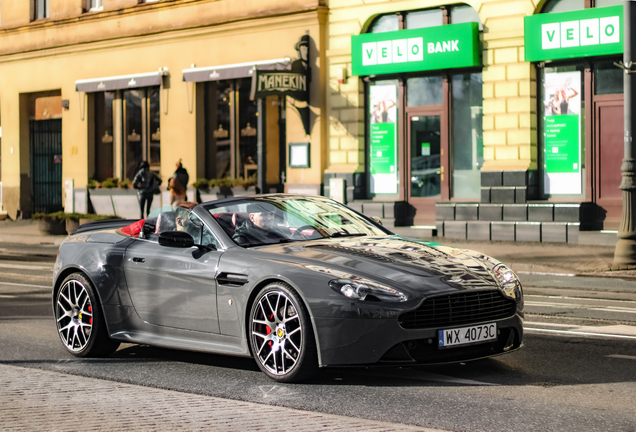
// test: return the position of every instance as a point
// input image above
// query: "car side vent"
(232, 279)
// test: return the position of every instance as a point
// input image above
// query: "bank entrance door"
(45, 138)
(427, 163)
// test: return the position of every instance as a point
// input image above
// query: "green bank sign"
(584, 33)
(443, 47)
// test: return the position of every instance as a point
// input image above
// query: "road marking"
(546, 274)
(26, 267)
(27, 285)
(7, 296)
(579, 333)
(555, 305)
(621, 356)
(548, 324)
(580, 298)
(613, 309)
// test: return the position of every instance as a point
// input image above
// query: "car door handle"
(139, 260)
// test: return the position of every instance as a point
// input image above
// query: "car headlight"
(361, 289)
(506, 277)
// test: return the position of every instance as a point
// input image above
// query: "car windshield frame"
(317, 217)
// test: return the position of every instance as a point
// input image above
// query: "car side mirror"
(178, 239)
(376, 220)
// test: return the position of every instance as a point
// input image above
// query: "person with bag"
(178, 184)
(148, 184)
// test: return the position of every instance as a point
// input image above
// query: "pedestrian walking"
(178, 185)
(147, 183)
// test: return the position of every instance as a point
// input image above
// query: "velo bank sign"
(584, 33)
(443, 47)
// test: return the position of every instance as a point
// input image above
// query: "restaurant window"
(39, 9)
(104, 141)
(231, 129)
(142, 133)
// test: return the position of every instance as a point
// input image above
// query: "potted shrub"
(72, 222)
(225, 187)
(51, 224)
(110, 183)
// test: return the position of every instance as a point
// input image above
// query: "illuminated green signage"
(443, 47)
(584, 33)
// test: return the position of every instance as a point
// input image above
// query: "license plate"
(467, 335)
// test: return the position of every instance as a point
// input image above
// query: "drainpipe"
(625, 252)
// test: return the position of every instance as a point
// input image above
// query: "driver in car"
(260, 227)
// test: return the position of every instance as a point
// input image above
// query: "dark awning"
(121, 82)
(237, 70)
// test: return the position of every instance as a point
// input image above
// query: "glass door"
(427, 157)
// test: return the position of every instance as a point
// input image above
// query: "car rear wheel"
(281, 336)
(79, 318)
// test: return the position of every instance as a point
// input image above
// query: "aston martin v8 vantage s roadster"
(296, 282)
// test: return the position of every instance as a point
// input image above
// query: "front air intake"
(458, 309)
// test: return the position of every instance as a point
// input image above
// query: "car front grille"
(459, 308)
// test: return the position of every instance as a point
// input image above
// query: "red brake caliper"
(90, 321)
(269, 330)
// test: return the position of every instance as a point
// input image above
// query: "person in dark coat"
(178, 184)
(147, 183)
(259, 227)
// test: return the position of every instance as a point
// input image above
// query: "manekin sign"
(585, 33)
(443, 47)
(292, 81)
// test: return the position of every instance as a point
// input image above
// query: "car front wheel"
(282, 338)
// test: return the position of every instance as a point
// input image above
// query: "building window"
(104, 145)
(467, 134)
(95, 5)
(39, 9)
(142, 133)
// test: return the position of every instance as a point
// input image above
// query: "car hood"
(426, 268)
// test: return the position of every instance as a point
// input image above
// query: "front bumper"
(348, 342)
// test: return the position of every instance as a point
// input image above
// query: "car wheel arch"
(70, 270)
(250, 301)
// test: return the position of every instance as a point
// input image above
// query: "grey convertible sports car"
(296, 282)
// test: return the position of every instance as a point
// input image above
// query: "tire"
(281, 336)
(79, 319)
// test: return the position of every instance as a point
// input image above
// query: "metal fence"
(45, 138)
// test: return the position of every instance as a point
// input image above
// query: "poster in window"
(383, 145)
(562, 132)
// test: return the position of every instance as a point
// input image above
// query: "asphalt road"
(576, 372)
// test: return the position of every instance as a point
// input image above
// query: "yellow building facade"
(89, 89)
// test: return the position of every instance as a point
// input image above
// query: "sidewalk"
(32, 399)
(23, 238)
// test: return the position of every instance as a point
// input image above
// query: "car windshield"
(286, 218)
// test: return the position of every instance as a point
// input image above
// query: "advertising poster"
(383, 148)
(562, 133)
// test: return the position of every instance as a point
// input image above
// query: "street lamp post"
(625, 252)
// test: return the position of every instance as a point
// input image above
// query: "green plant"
(215, 182)
(226, 181)
(92, 184)
(201, 184)
(250, 181)
(125, 184)
(110, 183)
(38, 216)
